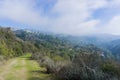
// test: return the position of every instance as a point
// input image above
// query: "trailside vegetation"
(67, 61)
(72, 62)
(12, 46)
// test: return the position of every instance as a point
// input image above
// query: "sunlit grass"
(23, 68)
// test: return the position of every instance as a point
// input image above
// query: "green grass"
(22, 68)
(36, 72)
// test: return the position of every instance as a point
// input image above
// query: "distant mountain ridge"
(114, 47)
(92, 39)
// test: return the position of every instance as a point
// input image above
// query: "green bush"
(50, 65)
(109, 68)
(75, 72)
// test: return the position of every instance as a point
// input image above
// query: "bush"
(2, 59)
(50, 65)
(112, 68)
(37, 56)
(109, 68)
(75, 72)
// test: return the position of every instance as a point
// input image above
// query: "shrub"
(109, 68)
(75, 72)
(50, 65)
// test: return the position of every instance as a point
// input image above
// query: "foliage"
(83, 68)
(12, 46)
(70, 61)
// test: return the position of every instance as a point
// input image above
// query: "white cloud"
(73, 16)
(21, 11)
(114, 3)
(113, 26)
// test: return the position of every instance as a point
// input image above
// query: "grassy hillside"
(12, 46)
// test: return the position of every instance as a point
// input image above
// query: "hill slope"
(53, 46)
(12, 46)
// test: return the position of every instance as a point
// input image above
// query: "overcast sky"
(75, 17)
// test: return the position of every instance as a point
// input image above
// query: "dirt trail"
(23, 69)
(13, 70)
